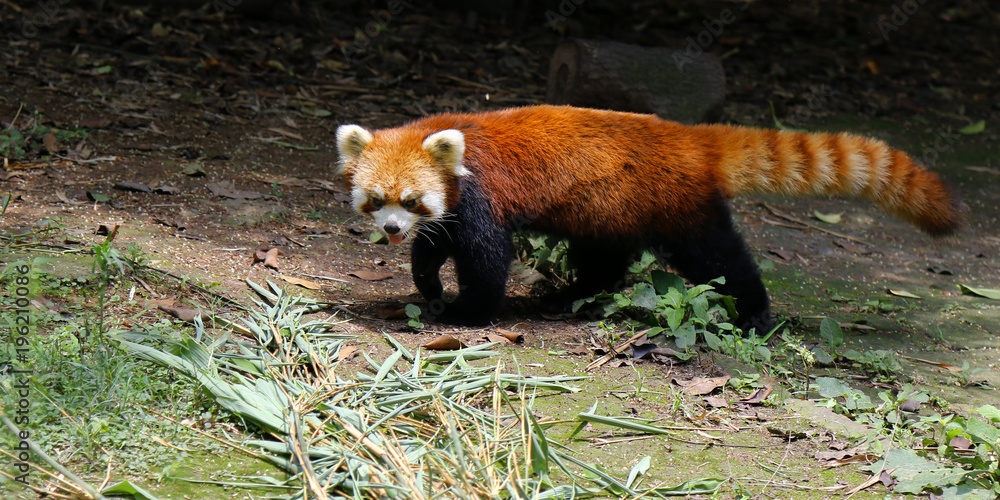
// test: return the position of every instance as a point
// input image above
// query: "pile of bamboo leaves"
(417, 426)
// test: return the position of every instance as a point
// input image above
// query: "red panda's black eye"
(377, 203)
(408, 204)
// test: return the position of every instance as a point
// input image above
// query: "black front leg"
(429, 253)
(482, 251)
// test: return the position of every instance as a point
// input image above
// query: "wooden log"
(678, 85)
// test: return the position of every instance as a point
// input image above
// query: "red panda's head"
(401, 177)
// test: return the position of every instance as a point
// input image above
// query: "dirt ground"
(232, 116)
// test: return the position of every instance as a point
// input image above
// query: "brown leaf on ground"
(133, 186)
(391, 312)
(510, 336)
(370, 275)
(62, 197)
(271, 258)
(184, 314)
(960, 443)
(177, 221)
(311, 285)
(716, 402)
(493, 337)
(444, 343)
(758, 396)
(346, 352)
(267, 255)
(701, 386)
(49, 141)
(109, 229)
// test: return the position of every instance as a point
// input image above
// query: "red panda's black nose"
(391, 228)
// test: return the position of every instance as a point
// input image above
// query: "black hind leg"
(713, 249)
(599, 266)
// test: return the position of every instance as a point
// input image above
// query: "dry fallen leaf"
(49, 141)
(109, 229)
(511, 336)
(492, 337)
(960, 443)
(133, 186)
(370, 275)
(391, 312)
(62, 197)
(271, 258)
(758, 396)
(184, 314)
(716, 402)
(346, 352)
(701, 386)
(444, 343)
(311, 285)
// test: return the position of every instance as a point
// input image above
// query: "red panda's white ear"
(351, 141)
(447, 147)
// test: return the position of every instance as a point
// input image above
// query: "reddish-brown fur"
(611, 183)
(600, 173)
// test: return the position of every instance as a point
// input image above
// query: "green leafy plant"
(663, 301)
(16, 143)
(957, 457)
(413, 312)
(545, 254)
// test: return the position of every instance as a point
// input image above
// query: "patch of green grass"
(18, 143)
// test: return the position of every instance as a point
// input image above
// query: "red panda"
(459, 184)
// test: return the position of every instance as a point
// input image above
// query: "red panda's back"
(584, 172)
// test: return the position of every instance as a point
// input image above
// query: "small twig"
(470, 83)
(321, 277)
(202, 289)
(11, 125)
(615, 351)
(785, 216)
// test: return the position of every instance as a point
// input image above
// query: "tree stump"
(678, 85)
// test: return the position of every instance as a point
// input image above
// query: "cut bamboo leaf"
(989, 293)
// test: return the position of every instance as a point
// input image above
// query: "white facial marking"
(434, 202)
(394, 215)
(358, 199)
